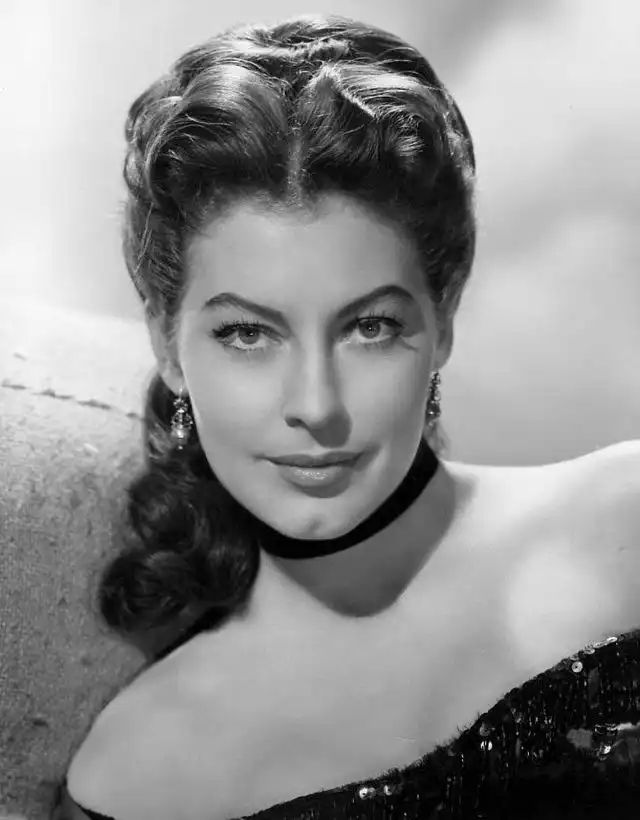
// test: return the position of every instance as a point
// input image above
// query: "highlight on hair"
(281, 115)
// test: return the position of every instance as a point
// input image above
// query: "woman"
(300, 227)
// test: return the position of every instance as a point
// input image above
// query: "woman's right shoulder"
(120, 741)
(139, 748)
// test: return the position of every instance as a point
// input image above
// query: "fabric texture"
(71, 397)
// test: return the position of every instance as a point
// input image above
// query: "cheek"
(220, 394)
(401, 397)
(228, 419)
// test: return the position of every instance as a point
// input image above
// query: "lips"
(322, 481)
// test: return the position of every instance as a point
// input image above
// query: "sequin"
(389, 789)
(485, 729)
(606, 642)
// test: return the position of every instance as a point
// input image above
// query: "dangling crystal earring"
(181, 422)
(433, 405)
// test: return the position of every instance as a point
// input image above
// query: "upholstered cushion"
(71, 398)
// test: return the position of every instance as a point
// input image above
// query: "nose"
(313, 395)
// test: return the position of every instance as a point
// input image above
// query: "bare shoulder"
(611, 506)
(615, 471)
(130, 761)
(608, 478)
(623, 454)
(568, 536)
(583, 568)
(599, 493)
(605, 486)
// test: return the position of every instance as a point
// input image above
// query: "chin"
(315, 526)
(313, 530)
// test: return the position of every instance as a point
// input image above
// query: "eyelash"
(227, 328)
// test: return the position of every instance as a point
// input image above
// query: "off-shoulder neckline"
(300, 802)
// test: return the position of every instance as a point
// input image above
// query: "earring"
(433, 405)
(181, 422)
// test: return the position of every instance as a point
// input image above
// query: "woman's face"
(309, 377)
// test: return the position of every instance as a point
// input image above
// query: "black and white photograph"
(319, 410)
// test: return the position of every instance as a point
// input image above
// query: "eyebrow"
(234, 300)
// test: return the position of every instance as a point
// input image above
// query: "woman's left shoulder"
(610, 479)
(607, 499)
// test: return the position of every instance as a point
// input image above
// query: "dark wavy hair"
(282, 115)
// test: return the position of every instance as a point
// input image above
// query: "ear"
(165, 352)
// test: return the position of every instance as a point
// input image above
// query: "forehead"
(341, 245)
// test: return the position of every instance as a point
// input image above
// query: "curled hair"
(282, 116)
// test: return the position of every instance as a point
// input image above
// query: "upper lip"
(302, 460)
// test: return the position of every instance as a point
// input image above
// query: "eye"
(393, 322)
(226, 329)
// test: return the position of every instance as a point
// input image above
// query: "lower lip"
(316, 476)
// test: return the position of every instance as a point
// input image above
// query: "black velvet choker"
(420, 473)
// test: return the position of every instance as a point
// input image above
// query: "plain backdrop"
(546, 361)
